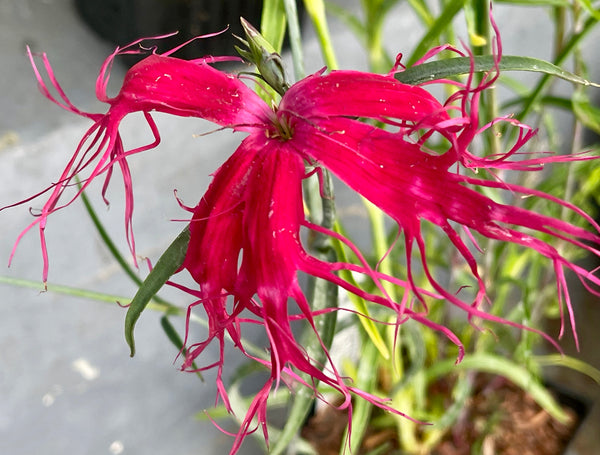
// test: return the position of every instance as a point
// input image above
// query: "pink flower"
(245, 244)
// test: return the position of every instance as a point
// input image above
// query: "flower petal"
(189, 89)
(360, 94)
(410, 185)
(157, 83)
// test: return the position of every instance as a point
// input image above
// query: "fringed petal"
(359, 94)
(245, 251)
(157, 83)
(250, 218)
(190, 89)
(411, 185)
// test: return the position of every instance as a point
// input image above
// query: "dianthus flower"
(245, 245)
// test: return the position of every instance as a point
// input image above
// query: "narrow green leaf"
(589, 7)
(521, 377)
(174, 337)
(350, 20)
(359, 303)
(166, 266)
(567, 49)
(554, 101)
(569, 362)
(361, 411)
(291, 15)
(441, 69)
(586, 112)
(170, 331)
(273, 24)
(564, 3)
(422, 10)
(316, 11)
(321, 294)
(443, 21)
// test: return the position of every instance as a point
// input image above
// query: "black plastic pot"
(123, 21)
(578, 404)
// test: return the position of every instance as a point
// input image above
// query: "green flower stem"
(560, 27)
(483, 29)
(433, 33)
(366, 380)
(380, 245)
(569, 46)
(273, 23)
(423, 11)
(316, 11)
(321, 294)
(369, 326)
(291, 13)
(494, 364)
(92, 295)
(112, 248)
(153, 304)
(170, 261)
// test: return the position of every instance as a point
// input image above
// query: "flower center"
(282, 129)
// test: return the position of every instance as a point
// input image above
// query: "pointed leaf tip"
(167, 265)
(456, 66)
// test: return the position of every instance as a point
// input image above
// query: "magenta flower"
(245, 243)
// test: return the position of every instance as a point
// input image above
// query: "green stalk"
(569, 46)
(163, 307)
(322, 294)
(366, 380)
(433, 33)
(495, 364)
(153, 304)
(380, 245)
(316, 11)
(291, 14)
(375, 15)
(110, 245)
(272, 23)
(490, 111)
(422, 10)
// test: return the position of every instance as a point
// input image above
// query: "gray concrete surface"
(67, 384)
